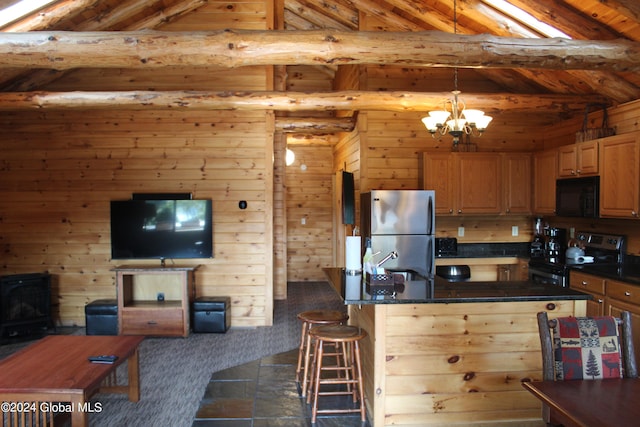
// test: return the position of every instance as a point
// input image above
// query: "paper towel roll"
(352, 252)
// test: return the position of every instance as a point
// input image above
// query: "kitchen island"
(441, 353)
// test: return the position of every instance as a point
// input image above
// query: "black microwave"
(578, 197)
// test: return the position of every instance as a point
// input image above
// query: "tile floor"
(264, 393)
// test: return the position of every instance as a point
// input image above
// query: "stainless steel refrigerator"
(401, 221)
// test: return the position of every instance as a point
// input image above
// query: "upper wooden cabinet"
(544, 181)
(620, 176)
(579, 159)
(437, 174)
(478, 183)
(516, 183)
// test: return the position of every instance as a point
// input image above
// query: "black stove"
(599, 249)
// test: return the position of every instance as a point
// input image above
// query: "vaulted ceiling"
(596, 20)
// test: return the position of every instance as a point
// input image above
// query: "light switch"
(460, 231)
(514, 230)
(303, 221)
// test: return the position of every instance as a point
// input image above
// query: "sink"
(455, 273)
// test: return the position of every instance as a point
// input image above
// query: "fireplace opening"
(25, 304)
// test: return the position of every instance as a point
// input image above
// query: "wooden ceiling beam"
(292, 101)
(237, 48)
(315, 125)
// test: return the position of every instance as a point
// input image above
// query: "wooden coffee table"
(54, 375)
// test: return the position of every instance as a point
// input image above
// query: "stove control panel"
(601, 241)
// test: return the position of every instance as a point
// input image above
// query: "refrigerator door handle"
(430, 216)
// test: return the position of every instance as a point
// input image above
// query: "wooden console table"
(154, 300)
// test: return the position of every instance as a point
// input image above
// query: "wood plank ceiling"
(595, 20)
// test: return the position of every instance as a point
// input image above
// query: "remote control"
(103, 359)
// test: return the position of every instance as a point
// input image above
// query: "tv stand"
(154, 300)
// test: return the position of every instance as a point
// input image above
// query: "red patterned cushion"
(587, 348)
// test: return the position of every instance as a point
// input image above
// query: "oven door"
(541, 275)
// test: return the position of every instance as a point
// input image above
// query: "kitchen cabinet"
(437, 174)
(625, 297)
(478, 183)
(544, 182)
(592, 285)
(620, 176)
(517, 183)
(580, 159)
(514, 272)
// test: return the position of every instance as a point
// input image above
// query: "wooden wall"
(309, 202)
(60, 170)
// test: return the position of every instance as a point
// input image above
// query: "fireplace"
(25, 304)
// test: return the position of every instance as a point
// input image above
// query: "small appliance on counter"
(446, 246)
(556, 244)
(537, 248)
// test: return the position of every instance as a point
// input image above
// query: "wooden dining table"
(590, 403)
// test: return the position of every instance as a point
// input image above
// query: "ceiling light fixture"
(455, 119)
(290, 157)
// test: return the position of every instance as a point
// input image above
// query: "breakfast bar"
(453, 353)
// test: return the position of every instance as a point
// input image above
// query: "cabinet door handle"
(152, 322)
(627, 293)
(578, 172)
(600, 301)
(584, 283)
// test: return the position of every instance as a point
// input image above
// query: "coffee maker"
(556, 244)
(537, 247)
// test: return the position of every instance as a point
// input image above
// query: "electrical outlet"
(160, 296)
(514, 230)
(303, 221)
(460, 231)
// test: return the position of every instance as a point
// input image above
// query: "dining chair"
(585, 348)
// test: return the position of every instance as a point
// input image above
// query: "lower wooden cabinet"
(610, 298)
(592, 285)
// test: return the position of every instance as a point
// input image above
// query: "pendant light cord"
(455, 32)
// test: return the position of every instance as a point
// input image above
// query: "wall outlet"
(160, 296)
(303, 220)
(460, 231)
(514, 230)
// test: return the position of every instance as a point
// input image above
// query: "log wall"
(60, 170)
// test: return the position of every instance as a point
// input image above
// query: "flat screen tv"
(161, 229)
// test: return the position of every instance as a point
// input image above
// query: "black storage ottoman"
(101, 317)
(211, 314)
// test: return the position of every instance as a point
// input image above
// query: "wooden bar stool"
(310, 319)
(348, 337)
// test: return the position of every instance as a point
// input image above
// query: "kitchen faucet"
(391, 255)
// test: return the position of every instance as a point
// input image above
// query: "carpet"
(174, 372)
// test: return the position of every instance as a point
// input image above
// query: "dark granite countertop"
(624, 273)
(353, 290)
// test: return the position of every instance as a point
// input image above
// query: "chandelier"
(455, 119)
